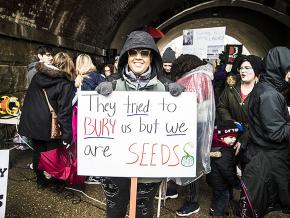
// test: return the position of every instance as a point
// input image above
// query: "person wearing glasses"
(44, 54)
(139, 64)
(233, 102)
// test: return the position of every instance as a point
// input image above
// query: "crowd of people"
(243, 122)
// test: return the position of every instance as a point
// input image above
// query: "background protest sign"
(137, 134)
(4, 163)
(204, 42)
(232, 52)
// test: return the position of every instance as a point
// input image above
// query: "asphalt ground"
(26, 200)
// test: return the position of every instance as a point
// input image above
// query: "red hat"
(227, 128)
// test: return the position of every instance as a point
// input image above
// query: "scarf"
(137, 81)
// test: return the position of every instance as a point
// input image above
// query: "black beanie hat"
(168, 56)
(255, 61)
(227, 128)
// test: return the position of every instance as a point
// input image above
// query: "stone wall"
(15, 55)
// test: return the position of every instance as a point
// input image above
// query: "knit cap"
(228, 128)
(255, 61)
(168, 55)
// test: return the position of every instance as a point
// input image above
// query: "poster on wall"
(4, 166)
(206, 43)
(137, 134)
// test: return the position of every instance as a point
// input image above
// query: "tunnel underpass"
(99, 28)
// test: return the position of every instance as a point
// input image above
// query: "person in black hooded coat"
(139, 65)
(269, 134)
(35, 120)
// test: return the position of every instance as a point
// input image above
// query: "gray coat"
(140, 39)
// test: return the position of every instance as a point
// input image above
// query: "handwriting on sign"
(99, 127)
(2, 171)
(134, 108)
(1, 198)
(95, 150)
(146, 156)
(129, 130)
(96, 105)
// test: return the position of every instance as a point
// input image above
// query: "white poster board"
(137, 134)
(204, 42)
(4, 166)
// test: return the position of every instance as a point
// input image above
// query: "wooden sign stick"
(133, 197)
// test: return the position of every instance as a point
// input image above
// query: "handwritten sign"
(4, 163)
(137, 134)
(206, 43)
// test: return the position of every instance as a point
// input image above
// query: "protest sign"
(137, 134)
(204, 42)
(4, 163)
(232, 52)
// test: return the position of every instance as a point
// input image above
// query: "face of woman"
(247, 72)
(139, 60)
(107, 71)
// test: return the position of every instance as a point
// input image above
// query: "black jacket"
(231, 107)
(223, 170)
(269, 118)
(35, 120)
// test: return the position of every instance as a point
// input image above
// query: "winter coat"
(92, 80)
(269, 123)
(223, 173)
(139, 39)
(258, 191)
(268, 112)
(231, 107)
(35, 120)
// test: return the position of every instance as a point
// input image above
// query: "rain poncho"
(198, 80)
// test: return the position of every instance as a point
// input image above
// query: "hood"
(140, 39)
(276, 63)
(168, 55)
(48, 75)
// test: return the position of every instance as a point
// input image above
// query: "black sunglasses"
(144, 53)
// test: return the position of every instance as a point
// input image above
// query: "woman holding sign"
(139, 64)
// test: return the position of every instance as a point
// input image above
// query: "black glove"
(175, 89)
(105, 88)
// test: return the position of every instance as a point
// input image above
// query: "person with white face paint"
(233, 102)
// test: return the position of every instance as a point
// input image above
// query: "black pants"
(117, 191)
(220, 200)
(193, 190)
(40, 146)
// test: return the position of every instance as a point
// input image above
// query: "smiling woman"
(139, 60)
(139, 64)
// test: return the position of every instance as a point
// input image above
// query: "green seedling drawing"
(187, 160)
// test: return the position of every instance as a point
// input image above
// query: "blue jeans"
(117, 191)
(220, 199)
